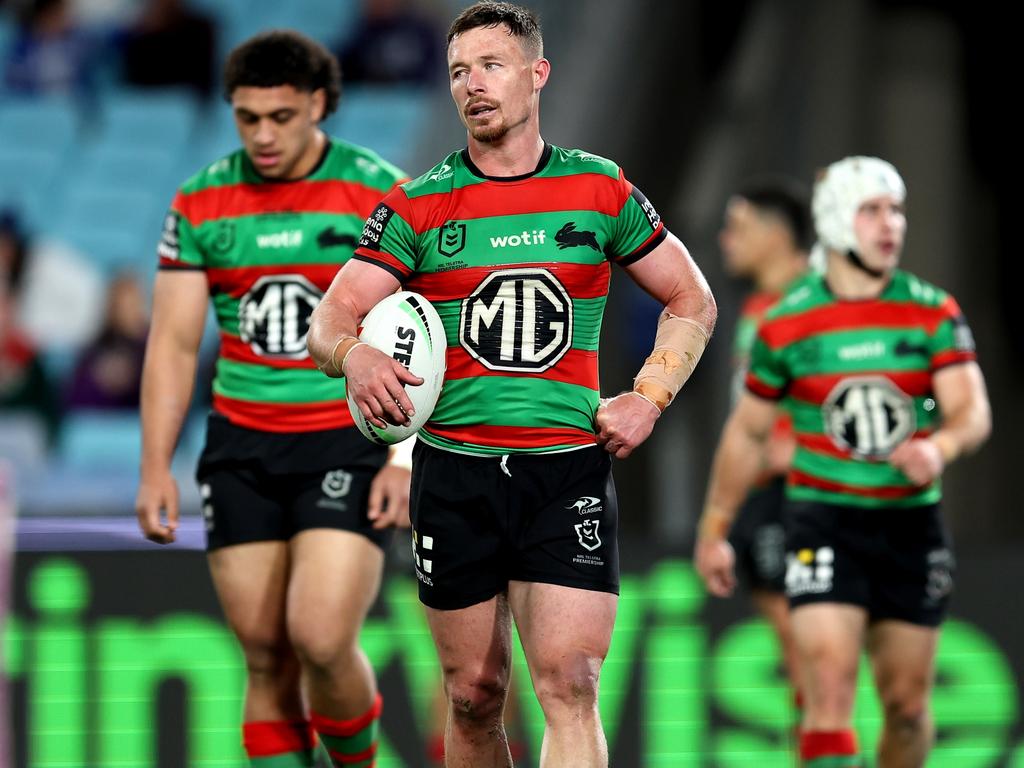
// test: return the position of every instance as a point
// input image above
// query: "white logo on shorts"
(337, 483)
(205, 493)
(424, 563)
(587, 533)
(809, 571)
(585, 505)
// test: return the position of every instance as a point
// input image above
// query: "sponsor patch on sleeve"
(170, 246)
(652, 215)
(374, 228)
(963, 339)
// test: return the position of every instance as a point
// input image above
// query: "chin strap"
(858, 262)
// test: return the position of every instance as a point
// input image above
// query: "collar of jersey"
(471, 166)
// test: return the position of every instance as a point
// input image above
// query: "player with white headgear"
(859, 354)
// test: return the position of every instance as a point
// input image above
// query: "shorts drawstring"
(504, 465)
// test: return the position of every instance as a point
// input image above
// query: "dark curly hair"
(522, 23)
(284, 57)
(786, 198)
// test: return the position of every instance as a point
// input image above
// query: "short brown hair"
(522, 23)
(284, 57)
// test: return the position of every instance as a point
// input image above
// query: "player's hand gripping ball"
(406, 327)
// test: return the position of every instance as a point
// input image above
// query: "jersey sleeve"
(179, 247)
(952, 341)
(638, 228)
(388, 238)
(767, 376)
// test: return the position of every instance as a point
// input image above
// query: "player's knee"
(268, 659)
(320, 650)
(906, 710)
(568, 684)
(476, 701)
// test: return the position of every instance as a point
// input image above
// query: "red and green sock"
(351, 743)
(829, 749)
(279, 744)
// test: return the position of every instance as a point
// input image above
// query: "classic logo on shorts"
(337, 483)
(868, 416)
(273, 316)
(422, 553)
(587, 533)
(586, 505)
(517, 320)
(809, 571)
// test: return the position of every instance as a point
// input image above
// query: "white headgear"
(842, 189)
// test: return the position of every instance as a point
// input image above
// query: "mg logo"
(273, 317)
(517, 320)
(869, 416)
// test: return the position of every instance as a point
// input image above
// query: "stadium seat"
(45, 124)
(26, 176)
(158, 119)
(22, 442)
(100, 440)
(383, 119)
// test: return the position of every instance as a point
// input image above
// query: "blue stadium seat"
(383, 119)
(26, 178)
(100, 440)
(115, 227)
(108, 164)
(48, 124)
(153, 119)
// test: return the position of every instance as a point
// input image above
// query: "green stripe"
(261, 383)
(302, 759)
(830, 346)
(524, 402)
(586, 321)
(799, 493)
(808, 420)
(351, 745)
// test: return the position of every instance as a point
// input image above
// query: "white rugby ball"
(406, 327)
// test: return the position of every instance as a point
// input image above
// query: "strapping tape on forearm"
(677, 349)
(401, 454)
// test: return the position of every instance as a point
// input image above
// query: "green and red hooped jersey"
(270, 249)
(518, 269)
(856, 376)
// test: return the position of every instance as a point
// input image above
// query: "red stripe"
(757, 304)
(796, 477)
(233, 348)
(384, 258)
(290, 417)
(951, 357)
(582, 281)
(329, 196)
(851, 316)
(822, 444)
(268, 738)
(759, 388)
(237, 280)
(358, 757)
(347, 728)
(579, 192)
(815, 744)
(578, 366)
(816, 388)
(513, 437)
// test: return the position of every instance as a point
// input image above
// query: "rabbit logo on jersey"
(809, 571)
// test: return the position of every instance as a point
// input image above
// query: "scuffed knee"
(572, 685)
(906, 714)
(477, 702)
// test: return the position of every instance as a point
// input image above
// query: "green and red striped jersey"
(856, 376)
(518, 269)
(270, 249)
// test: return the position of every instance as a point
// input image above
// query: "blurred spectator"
(170, 45)
(24, 387)
(392, 44)
(50, 54)
(108, 372)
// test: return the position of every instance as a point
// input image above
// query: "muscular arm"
(735, 468)
(374, 379)
(168, 375)
(670, 276)
(966, 423)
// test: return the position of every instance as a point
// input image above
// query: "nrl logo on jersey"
(273, 315)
